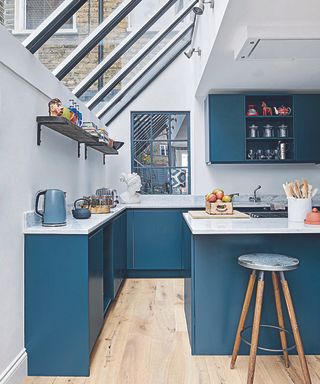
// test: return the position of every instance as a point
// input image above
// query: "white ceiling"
(272, 19)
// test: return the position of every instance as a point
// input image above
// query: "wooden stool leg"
(255, 329)
(243, 317)
(295, 329)
(283, 337)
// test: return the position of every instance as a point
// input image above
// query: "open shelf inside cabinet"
(269, 128)
(76, 133)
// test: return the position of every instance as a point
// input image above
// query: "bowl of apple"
(217, 203)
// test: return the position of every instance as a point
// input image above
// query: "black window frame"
(170, 167)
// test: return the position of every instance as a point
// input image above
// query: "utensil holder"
(298, 209)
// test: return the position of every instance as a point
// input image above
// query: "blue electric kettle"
(54, 212)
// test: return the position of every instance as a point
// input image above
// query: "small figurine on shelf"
(110, 143)
(252, 110)
(56, 109)
(265, 109)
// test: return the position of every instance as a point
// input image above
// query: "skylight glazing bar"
(140, 75)
(94, 101)
(119, 50)
(129, 97)
(51, 24)
(94, 38)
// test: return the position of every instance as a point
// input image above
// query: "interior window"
(161, 151)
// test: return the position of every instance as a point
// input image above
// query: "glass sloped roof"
(146, 75)
(103, 49)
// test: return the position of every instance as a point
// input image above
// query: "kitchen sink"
(268, 215)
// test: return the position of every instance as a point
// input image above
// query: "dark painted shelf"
(270, 117)
(269, 161)
(74, 132)
(269, 138)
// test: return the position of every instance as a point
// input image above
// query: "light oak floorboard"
(144, 341)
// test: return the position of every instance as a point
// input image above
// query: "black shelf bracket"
(38, 133)
(79, 153)
(85, 151)
(104, 159)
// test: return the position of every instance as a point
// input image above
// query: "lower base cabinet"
(95, 286)
(115, 256)
(156, 239)
(70, 281)
(63, 302)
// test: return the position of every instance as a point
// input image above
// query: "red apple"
(212, 198)
(219, 195)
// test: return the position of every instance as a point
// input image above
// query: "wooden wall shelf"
(76, 133)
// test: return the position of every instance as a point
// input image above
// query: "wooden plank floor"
(145, 341)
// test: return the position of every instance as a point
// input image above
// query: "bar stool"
(274, 263)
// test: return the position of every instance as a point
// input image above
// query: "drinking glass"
(269, 154)
(260, 155)
(251, 154)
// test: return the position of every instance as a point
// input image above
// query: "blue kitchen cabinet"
(156, 243)
(63, 302)
(108, 288)
(119, 250)
(226, 129)
(307, 128)
(95, 285)
(214, 294)
(229, 129)
(115, 256)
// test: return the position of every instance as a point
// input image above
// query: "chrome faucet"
(254, 198)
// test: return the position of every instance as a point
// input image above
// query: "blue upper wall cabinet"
(262, 128)
(226, 128)
(307, 127)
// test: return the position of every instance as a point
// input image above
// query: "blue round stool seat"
(268, 262)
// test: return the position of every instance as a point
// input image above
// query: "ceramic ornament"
(133, 182)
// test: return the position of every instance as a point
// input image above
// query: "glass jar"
(283, 130)
(253, 131)
(268, 131)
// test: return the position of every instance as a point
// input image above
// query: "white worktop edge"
(246, 226)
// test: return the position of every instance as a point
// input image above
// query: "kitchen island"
(216, 285)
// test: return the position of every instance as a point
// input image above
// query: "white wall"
(26, 168)
(171, 91)
(214, 34)
(206, 31)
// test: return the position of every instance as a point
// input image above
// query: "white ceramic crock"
(298, 209)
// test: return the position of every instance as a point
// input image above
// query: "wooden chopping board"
(205, 215)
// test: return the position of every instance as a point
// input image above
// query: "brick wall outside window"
(59, 46)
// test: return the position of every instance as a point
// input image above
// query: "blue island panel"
(215, 292)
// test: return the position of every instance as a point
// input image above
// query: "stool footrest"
(264, 348)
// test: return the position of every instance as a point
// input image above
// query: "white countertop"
(32, 224)
(73, 227)
(246, 226)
